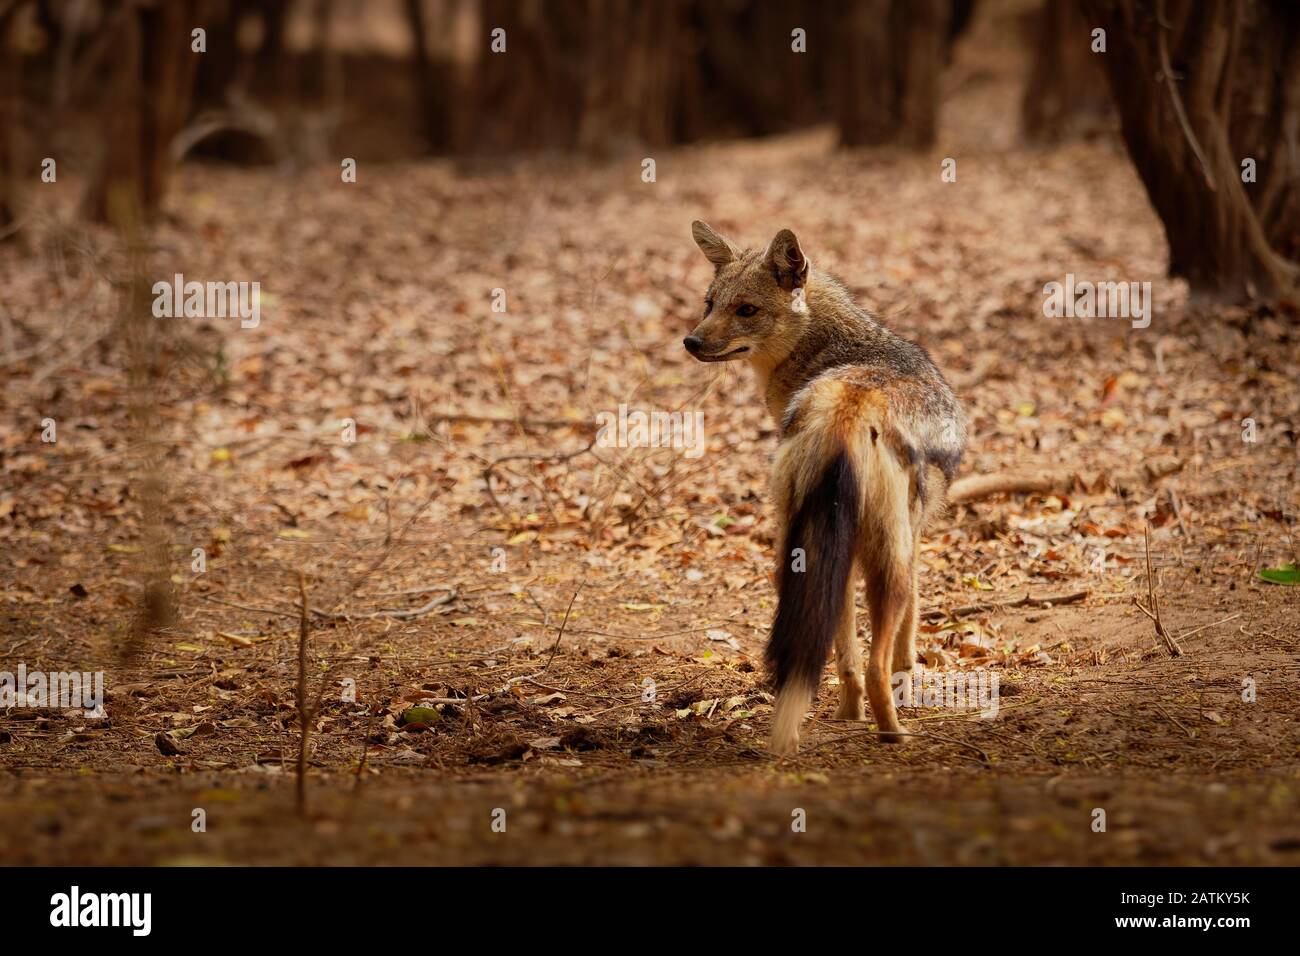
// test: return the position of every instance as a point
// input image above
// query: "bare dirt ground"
(377, 308)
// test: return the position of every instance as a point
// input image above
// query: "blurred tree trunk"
(1265, 121)
(145, 105)
(743, 75)
(961, 13)
(10, 121)
(629, 93)
(320, 81)
(1202, 87)
(433, 75)
(218, 68)
(605, 74)
(1066, 87)
(595, 74)
(530, 96)
(272, 53)
(230, 121)
(892, 55)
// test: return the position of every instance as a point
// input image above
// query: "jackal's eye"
(746, 310)
(708, 306)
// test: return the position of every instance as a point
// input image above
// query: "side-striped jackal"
(871, 435)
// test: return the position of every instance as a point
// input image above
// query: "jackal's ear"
(717, 248)
(787, 260)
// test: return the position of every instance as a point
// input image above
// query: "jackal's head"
(755, 307)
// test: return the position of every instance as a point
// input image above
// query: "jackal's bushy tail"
(817, 564)
(844, 490)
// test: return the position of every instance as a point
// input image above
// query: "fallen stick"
(1171, 645)
(563, 624)
(420, 611)
(389, 543)
(248, 607)
(507, 420)
(922, 734)
(979, 487)
(561, 456)
(365, 749)
(523, 678)
(1197, 630)
(304, 718)
(408, 592)
(1174, 720)
(447, 598)
(940, 614)
(1178, 512)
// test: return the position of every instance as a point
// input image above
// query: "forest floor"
(542, 613)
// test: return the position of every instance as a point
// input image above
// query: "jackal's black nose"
(692, 343)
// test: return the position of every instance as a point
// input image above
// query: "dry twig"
(940, 614)
(562, 456)
(1153, 612)
(304, 717)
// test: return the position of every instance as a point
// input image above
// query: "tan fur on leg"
(887, 595)
(848, 662)
(905, 641)
(787, 714)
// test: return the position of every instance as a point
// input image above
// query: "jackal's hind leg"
(905, 641)
(887, 593)
(848, 662)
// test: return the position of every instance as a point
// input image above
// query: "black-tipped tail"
(811, 600)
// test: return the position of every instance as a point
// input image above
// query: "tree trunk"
(1180, 72)
(604, 74)
(595, 75)
(273, 54)
(630, 80)
(219, 68)
(147, 102)
(891, 60)
(1066, 88)
(1265, 121)
(433, 79)
(530, 96)
(743, 74)
(11, 162)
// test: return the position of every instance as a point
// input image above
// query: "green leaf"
(1287, 574)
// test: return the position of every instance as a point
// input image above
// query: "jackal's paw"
(783, 745)
(850, 708)
(897, 735)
